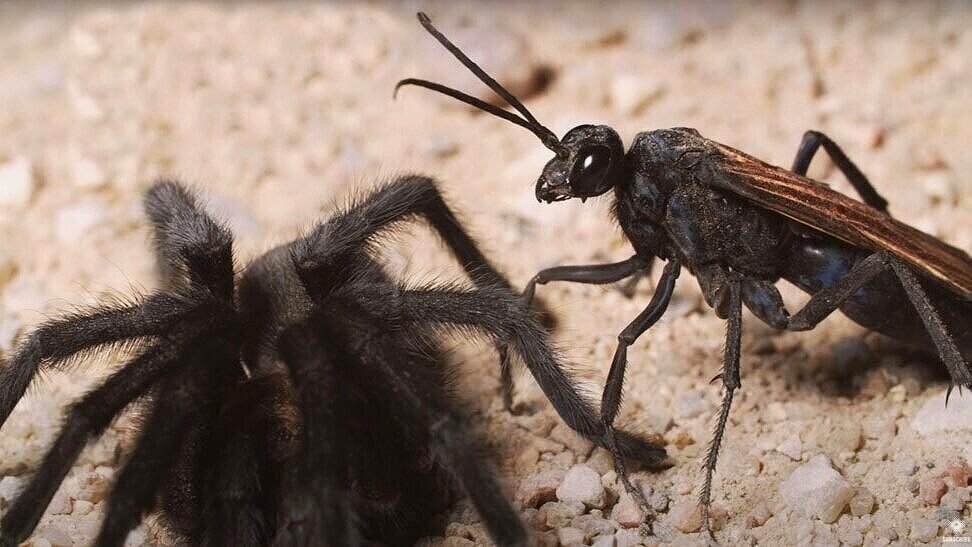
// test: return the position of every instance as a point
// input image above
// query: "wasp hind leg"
(812, 141)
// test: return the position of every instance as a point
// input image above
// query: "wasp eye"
(589, 170)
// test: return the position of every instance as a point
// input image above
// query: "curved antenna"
(543, 133)
(529, 122)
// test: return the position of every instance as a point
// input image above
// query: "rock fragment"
(923, 529)
(539, 488)
(791, 447)
(958, 469)
(16, 183)
(582, 484)
(686, 516)
(627, 512)
(816, 490)
(569, 535)
(559, 514)
(934, 417)
(9, 487)
(907, 466)
(862, 503)
(931, 490)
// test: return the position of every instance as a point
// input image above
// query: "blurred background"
(275, 111)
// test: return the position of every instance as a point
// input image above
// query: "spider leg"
(501, 314)
(404, 199)
(86, 419)
(241, 478)
(56, 341)
(182, 399)
(317, 509)
(191, 247)
(417, 401)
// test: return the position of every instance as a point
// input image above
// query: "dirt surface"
(271, 110)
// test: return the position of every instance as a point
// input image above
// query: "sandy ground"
(272, 110)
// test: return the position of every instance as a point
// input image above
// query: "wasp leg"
(812, 140)
(611, 399)
(730, 383)
(629, 288)
(598, 274)
(828, 299)
(948, 350)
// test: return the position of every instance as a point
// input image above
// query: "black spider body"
(305, 403)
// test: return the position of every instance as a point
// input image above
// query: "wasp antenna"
(470, 100)
(546, 136)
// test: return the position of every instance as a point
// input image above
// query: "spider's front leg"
(502, 315)
(404, 199)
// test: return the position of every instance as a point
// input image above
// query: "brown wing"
(818, 206)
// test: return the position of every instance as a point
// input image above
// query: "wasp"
(739, 225)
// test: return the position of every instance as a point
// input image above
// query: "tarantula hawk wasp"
(304, 402)
(738, 225)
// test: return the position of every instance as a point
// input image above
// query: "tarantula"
(305, 404)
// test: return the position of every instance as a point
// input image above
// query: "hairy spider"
(306, 404)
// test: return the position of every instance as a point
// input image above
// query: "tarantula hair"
(305, 403)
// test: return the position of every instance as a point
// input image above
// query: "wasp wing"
(818, 206)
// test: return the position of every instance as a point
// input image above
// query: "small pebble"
(758, 516)
(791, 447)
(16, 183)
(907, 466)
(934, 417)
(8, 267)
(74, 221)
(539, 488)
(958, 469)
(954, 500)
(601, 461)
(56, 535)
(931, 490)
(582, 484)
(454, 541)
(627, 537)
(87, 174)
(604, 541)
(558, 514)
(627, 512)
(862, 503)
(631, 93)
(593, 524)
(569, 438)
(439, 146)
(686, 516)
(659, 422)
(9, 487)
(658, 501)
(923, 529)
(775, 412)
(61, 504)
(689, 405)
(570, 536)
(816, 490)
